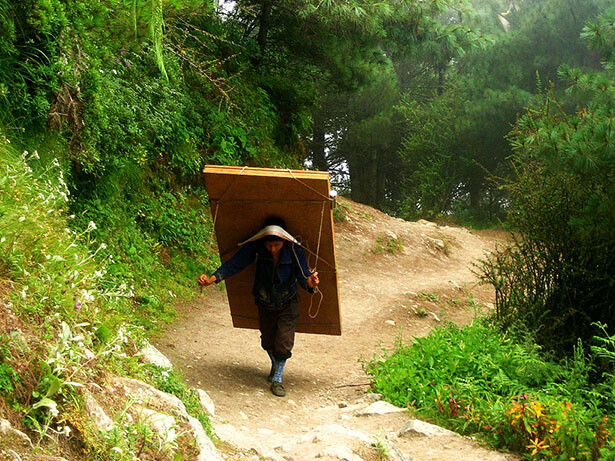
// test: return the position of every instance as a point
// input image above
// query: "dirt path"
(383, 296)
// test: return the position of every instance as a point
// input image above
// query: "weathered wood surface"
(241, 199)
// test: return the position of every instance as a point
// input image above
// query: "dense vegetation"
(446, 109)
(70, 316)
(478, 380)
(553, 288)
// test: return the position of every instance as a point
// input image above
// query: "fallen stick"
(352, 385)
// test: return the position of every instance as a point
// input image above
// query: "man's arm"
(240, 260)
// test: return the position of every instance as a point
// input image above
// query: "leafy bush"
(476, 379)
(557, 276)
(8, 376)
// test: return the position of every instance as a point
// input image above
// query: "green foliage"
(84, 296)
(556, 277)
(340, 210)
(430, 155)
(8, 376)
(478, 380)
(455, 113)
(391, 245)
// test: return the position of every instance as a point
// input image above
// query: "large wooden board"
(241, 199)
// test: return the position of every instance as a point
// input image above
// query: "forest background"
(474, 112)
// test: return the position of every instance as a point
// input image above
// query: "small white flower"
(103, 246)
(71, 216)
(50, 211)
(92, 225)
(35, 155)
(22, 219)
(117, 449)
(3, 239)
(101, 71)
(114, 71)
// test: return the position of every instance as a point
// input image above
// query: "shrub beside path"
(396, 278)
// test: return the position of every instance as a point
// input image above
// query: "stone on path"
(149, 395)
(329, 431)
(395, 454)
(7, 430)
(371, 397)
(416, 427)
(96, 413)
(163, 425)
(206, 403)
(207, 450)
(380, 408)
(230, 434)
(155, 357)
(340, 452)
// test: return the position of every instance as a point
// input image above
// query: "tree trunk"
(363, 179)
(319, 157)
(474, 188)
(263, 28)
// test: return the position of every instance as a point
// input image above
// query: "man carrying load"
(280, 267)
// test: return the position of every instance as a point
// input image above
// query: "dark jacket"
(274, 286)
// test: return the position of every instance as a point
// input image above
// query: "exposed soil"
(384, 296)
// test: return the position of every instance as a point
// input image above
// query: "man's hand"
(205, 281)
(313, 280)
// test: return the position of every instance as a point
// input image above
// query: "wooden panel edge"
(277, 172)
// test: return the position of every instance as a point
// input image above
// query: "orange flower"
(537, 445)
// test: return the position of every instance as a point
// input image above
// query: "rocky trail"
(328, 413)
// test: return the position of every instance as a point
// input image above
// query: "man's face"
(274, 247)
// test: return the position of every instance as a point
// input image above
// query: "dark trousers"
(277, 327)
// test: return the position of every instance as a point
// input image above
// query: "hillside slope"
(396, 278)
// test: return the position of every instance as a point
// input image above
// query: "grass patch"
(387, 244)
(477, 380)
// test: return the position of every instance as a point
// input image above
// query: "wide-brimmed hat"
(271, 231)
